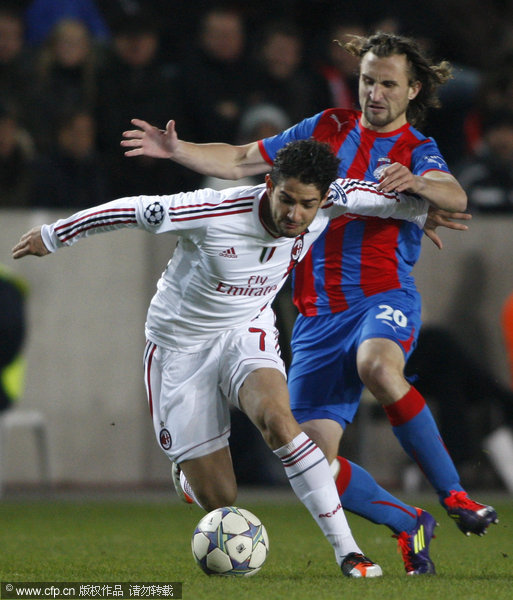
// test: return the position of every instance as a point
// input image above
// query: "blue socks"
(416, 430)
(360, 494)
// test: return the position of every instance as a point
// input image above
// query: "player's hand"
(149, 140)
(30, 243)
(443, 218)
(398, 178)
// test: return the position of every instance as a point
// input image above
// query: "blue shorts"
(323, 379)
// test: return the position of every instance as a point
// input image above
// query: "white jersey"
(227, 267)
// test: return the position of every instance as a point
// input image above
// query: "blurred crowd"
(73, 73)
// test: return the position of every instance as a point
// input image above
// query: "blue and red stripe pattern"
(357, 256)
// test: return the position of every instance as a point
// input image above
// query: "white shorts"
(189, 394)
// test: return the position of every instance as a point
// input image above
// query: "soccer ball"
(154, 214)
(230, 541)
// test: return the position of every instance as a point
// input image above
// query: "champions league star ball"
(154, 214)
(230, 541)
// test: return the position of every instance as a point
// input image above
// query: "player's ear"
(414, 89)
(268, 185)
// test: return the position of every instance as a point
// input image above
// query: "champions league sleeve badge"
(154, 214)
(337, 194)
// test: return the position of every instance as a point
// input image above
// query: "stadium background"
(87, 305)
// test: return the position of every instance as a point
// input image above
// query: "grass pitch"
(87, 541)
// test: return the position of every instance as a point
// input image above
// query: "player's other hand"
(149, 140)
(398, 178)
(443, 218)
(30, 243)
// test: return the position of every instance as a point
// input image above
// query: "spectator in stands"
(216, 76)
(495, 94)
(71, 175)
(257, 122)
(14, 57)
(16, 155)
(136, 79)
(42, 15)
(341, 69)
(487, 177)
(281, 77)
(66, 67)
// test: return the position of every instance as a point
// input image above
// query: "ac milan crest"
(297, 248)
(165, 439)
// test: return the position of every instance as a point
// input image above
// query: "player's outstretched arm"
(440, 189)
(443, 218)
(151, 141)
(218, 160)
(31, 243)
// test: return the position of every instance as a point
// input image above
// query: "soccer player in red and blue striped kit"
(359, 308)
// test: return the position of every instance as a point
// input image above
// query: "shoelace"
(403, 546)
(360, 559)
(461, 500)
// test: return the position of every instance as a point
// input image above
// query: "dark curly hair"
(430, 75)
(309, 161)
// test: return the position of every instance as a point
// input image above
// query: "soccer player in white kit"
(211, 337)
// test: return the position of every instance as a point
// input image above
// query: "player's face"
(385, 91)
(292, 206)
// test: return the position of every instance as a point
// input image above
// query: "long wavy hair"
(420, 68)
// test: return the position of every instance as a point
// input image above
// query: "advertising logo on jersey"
(436, 160)
(154, 214)
(382, 164)
(337, 194)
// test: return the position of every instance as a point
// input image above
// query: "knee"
(383, 379)
(373, 371)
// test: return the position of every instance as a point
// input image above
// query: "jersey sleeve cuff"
(46, 236)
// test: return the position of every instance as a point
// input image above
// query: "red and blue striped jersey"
(356, 256)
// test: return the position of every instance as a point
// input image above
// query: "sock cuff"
(293, 448)
(344, 475)
(405, 408)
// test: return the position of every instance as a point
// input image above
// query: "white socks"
(311, 479)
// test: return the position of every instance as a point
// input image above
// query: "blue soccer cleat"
(414, 545)
(470, 516)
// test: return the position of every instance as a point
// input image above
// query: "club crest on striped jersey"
(382, 164)
(337, 194)
(154, 214)
(165, 439)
